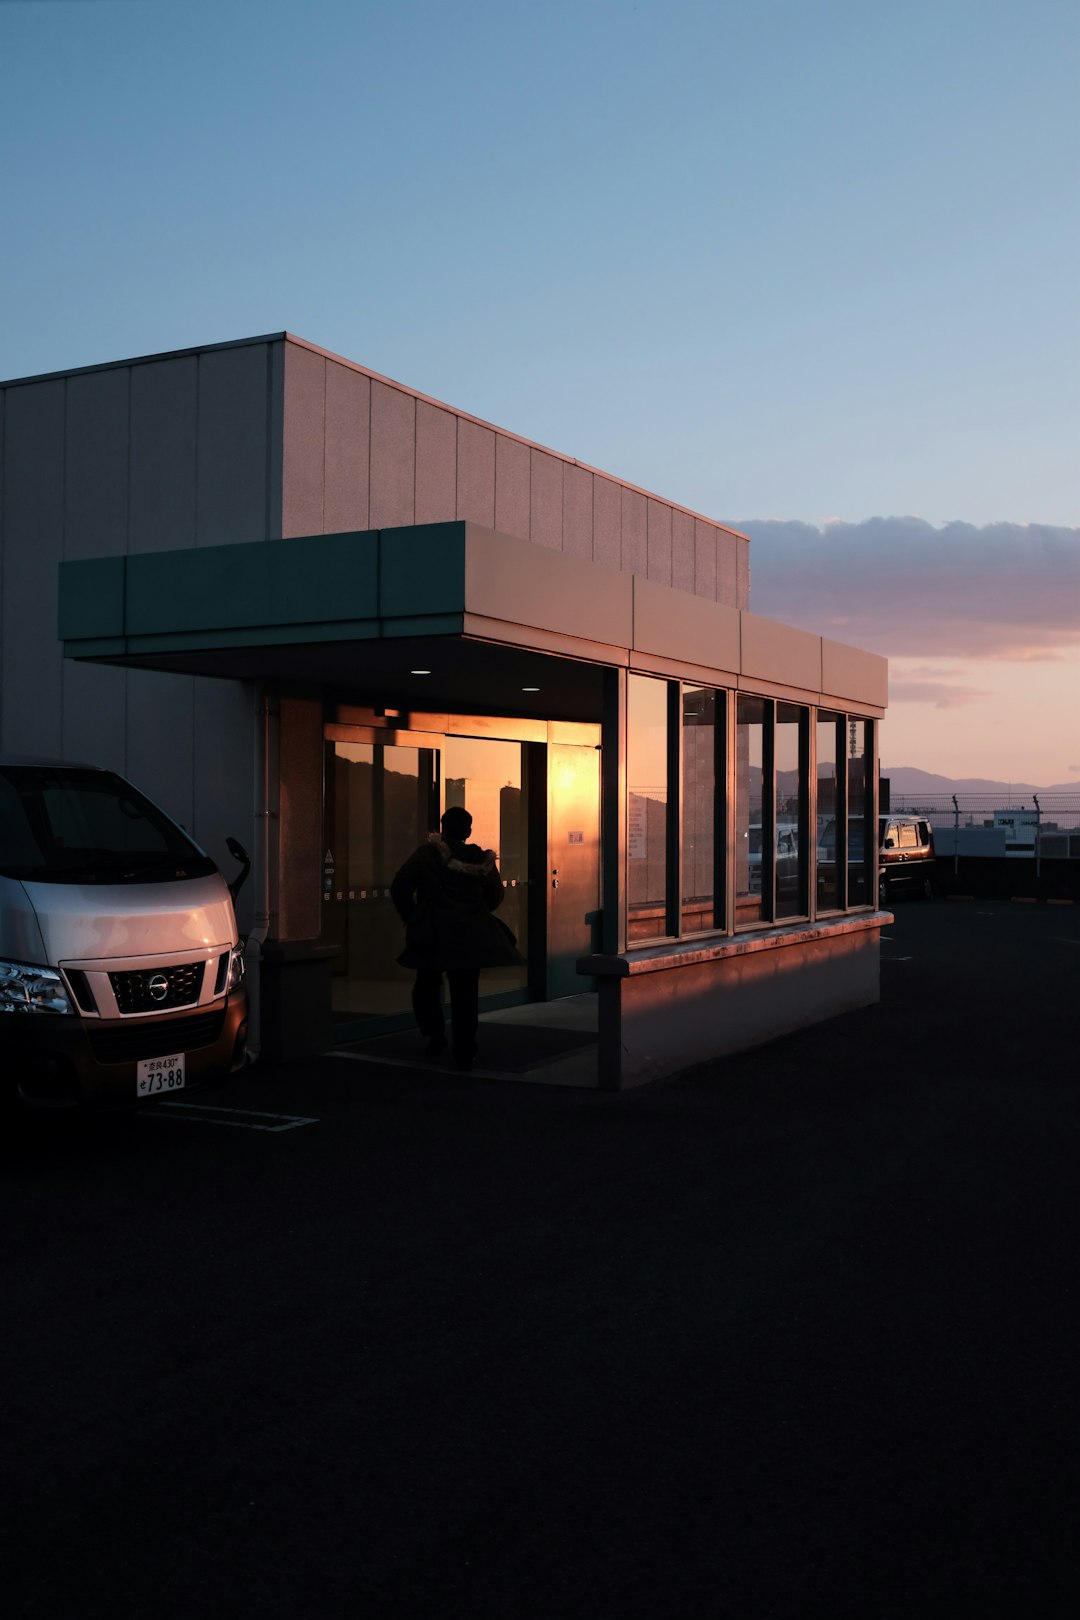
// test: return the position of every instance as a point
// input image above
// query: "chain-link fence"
(1022, 836)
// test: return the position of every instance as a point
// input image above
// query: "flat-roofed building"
(305, 605)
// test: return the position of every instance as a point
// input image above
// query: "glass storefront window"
(702, 721)
(860, 851)
(790, 748)
(829, 831)
(750, 801)
(647, 810)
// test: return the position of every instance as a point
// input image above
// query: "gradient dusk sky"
(809, 268)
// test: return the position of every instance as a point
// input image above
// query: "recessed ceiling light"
(419, 672)
(530, 689)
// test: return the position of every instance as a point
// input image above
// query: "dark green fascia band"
(316, 588)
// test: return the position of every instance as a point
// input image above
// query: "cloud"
(941, 694)
(1074, 767)
(929, 672)
(901, 587)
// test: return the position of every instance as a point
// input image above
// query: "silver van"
(121, 969)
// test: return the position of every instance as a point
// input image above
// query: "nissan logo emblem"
(158, 987)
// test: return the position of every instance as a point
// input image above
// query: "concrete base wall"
(657, 1023)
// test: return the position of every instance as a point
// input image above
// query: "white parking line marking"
(194, 1112)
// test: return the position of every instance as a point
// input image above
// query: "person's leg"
(427, 1008)
(464, 1014)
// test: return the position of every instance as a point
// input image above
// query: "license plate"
(161, 1074)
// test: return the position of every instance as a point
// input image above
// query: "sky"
(801, 265)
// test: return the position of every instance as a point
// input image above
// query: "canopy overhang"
(489, 616)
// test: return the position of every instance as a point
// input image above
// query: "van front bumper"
(60, 1061)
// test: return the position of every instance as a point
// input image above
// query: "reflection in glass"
(699, 723)
(646, 789)
(749, 800)
(790, 844)
(487, 776)
(378, 807)
(858, 787)
(828, 887)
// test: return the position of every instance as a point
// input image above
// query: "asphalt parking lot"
(792, 1335)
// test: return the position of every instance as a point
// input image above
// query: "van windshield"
(61, 824)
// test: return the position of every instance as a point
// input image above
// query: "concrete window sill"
(685, 953)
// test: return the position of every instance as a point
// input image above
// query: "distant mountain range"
(908, 780)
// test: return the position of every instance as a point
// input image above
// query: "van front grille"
(157, 989)
(156, 1040)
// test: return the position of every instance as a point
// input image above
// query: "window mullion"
(673, 923)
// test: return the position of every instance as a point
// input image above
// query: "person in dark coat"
(446, 895)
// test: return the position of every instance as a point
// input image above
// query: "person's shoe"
(436, 1046)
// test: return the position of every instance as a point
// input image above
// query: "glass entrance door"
(488, 777)
(574, 860)
(380, 802)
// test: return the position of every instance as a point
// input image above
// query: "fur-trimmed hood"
(474, 869)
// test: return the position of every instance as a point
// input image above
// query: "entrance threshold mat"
(512, 1048)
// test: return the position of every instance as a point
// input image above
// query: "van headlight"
(236, 969)
(25, 988)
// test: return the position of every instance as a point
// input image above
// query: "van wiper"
(159, 868)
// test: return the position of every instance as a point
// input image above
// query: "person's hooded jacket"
(446, 895)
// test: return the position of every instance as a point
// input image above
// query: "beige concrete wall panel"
(164, 455)
(436, 464)
(635, 534)
(224, 766)
(675, 624)
(93, 697)
(304, 446)
(578, 512)
(233, 445)
(776, 652)
(512, 481)
(519, 583)
(705, 545)
(275, 437)
(851, 674)
(607, 523)
(659, 542)
(681, 669)
(300, 819)
(682, 552)
(160, 740)
(94, 715)
(742, 570)
(694, 1013)
(348, 444)
(475, 473)
(727, 570)
(30, 658)
(480, 628)
(393, 457)
(545, 500)
(96, 464)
